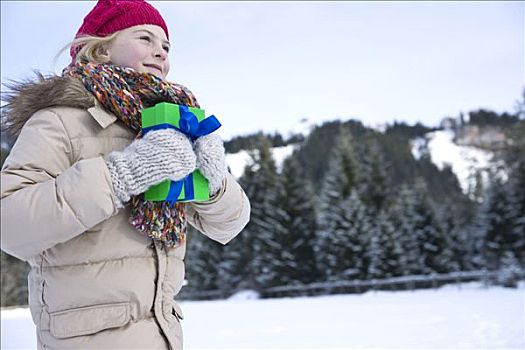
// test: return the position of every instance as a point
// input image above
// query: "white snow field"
(470, 317)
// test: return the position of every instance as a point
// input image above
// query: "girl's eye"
(147, 38)
(166, 48)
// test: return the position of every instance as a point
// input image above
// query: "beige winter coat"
(95, 282)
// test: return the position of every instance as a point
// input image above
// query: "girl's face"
(144, 48)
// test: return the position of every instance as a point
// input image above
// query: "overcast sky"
(266, 65)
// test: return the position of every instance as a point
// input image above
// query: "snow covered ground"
(448, 318)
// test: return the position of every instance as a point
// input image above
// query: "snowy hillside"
(237, 161)
(469, 317)
(465, 161)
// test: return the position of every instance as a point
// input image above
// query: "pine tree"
(493, 226)
(514, 212)
(458, 241)
(375, 254)
(232, 272)
(510, 270)
(340, 178)
(297, 202)
(433, 243)
(500, 221)
(384, 251)
(342, 251)
(13, 281)
(262, 185)
(406, 221)
(423, 242)
(349, 162)
(203, 256)
(373, 188)
(357, 239)
(235, 269)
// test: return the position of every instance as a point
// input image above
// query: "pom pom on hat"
(110, 16)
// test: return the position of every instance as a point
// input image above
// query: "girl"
(105, 263)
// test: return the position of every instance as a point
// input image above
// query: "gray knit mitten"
(211, 160)
(159, 155)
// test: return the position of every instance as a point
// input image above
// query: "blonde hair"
(92, 48)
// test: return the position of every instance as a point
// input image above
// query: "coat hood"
(29, 96)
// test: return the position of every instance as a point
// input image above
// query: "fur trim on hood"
(28, 97)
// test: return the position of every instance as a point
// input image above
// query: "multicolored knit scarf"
(125, 93)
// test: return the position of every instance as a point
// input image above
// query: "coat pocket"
(88, 320)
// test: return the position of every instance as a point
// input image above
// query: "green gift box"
(193, 188)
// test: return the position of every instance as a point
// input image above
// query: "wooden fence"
(361, 286)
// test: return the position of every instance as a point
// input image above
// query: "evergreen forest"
(353, 203)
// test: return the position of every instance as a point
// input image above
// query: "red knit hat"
(109, 16)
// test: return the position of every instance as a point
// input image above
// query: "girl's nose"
(160, 53)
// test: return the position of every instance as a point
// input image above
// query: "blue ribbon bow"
(189, 125)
